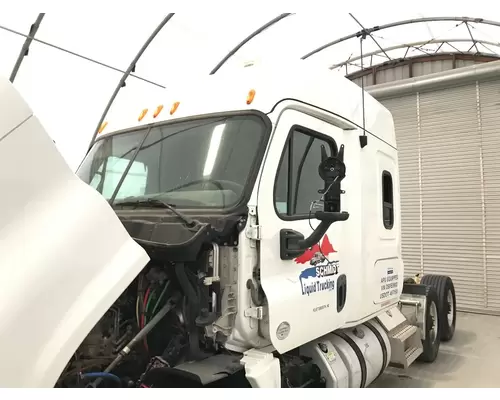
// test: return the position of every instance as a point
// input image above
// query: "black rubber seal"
(362, 361)
(382, 345)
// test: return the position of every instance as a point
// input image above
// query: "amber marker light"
(158, 111)
(102, 127)
(250, 96)
(142, 114)
(174, 108)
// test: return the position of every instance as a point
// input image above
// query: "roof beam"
(247, 39)
(365, 32)
(26, 46)
(400, 23)
(414, 44)
(472, 37)
(129, 70)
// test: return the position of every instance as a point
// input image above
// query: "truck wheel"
(446, 301)
(432, 334)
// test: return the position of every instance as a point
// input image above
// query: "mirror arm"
(327, 219)
(293, 244)
(315, 237)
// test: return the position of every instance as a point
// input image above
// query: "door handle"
(289, 240)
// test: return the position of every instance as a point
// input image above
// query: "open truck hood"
(65, 257)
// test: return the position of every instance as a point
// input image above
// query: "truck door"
(303, 292)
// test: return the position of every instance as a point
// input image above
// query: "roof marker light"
(174, 107)
(102, 127)
(142, 114)
(158, 110)
(250, 96)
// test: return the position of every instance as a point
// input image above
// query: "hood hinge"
(255, 313)
(253, 230)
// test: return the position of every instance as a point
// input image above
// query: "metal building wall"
(404, 71)
(396, 70)
(448, 133)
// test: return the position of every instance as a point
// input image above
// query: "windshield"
(196, 163)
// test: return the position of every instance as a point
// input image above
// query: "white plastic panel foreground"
(64, 255)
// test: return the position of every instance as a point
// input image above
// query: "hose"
(144, 307)
(189, 292)
(148, 299)
(193, 303)
(142, 334)
(254, 293)
(139, 304)
(137, 311)
(161, 297)
(102, 375)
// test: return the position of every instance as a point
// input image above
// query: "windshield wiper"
(190, 223)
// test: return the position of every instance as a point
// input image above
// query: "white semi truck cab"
(244, 232)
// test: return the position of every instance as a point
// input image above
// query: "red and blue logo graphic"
(319, 276)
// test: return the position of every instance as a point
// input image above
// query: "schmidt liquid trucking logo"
(319, 277)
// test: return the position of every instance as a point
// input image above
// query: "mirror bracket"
(293, 244)
(332, 171)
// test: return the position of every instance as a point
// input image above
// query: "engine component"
(297, 372)
(123, 344)
(142, 334)
(154, 363)
(101, 340)
(102, 375)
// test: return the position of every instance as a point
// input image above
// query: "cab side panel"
(382, 260)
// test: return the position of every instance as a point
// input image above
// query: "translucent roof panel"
(77, 59)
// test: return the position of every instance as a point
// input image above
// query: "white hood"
(64, 255)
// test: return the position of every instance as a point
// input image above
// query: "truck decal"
(389, 284)
(319, 276)
(326, 248)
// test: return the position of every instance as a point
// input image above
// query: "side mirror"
(332, 171)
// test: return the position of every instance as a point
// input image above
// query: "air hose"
(142, 334)
(102, 375)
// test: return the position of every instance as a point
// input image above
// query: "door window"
(387, 200)
(298, 181)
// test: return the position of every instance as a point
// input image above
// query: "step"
(262, 369)
(406, 345)
(412, 354)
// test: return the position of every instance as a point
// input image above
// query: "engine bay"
(162, 320)
(170, 327)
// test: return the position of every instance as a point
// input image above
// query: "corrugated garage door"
(449, 153)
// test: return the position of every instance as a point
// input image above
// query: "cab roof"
(229, 91)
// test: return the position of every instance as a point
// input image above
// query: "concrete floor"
(470, 360)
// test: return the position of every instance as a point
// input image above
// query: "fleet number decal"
(389, 284)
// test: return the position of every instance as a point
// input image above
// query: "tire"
(432, 334)
(446, 301)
